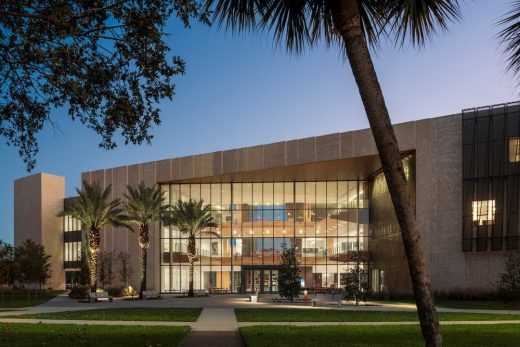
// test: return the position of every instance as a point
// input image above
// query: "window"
(514, 150)
(484, 212)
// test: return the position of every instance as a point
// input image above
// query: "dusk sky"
(241, 91)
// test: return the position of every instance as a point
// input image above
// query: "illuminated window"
(484, 212)
(514, 150)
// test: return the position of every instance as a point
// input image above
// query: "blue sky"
(241, 91)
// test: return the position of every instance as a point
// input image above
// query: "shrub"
(79, 293)
(129, 291)
(508, 284)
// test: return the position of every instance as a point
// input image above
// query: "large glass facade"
(326, 222)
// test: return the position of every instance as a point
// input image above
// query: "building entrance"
(260, 279)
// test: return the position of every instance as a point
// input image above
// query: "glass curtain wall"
(326, 222)
(71, 249)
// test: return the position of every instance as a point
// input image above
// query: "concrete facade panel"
(85, 177)
(98, 176)
(307, 150)
(363, 143)
(255, 158)
(230, 161)
(37, 202)
(347, 145)
(406, 135)
(52, 195)
(134, 174)
(274, 155)
(201, 165)
(242, 163)
(450, 262)
(328, 147)
(148, 174)
(187, 167)
(164, 170)
(176, 169)
(291, 152)
(27, 209)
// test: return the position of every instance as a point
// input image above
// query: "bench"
(100, 296)
(150, 294)
(200, 292)
(328, 298)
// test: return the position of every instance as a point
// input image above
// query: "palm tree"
(145, 205)
(356, 25)
(192, 218)
(510, 36)
(94, 209)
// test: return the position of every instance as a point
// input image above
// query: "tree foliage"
(289, 274)
(508, 284)
(105, 61)
(6, 263)
(32, 264)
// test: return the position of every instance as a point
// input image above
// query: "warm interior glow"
(484, 211)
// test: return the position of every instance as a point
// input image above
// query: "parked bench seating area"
(327, 299)
(150, 294)
(100, 296)
(200, 292)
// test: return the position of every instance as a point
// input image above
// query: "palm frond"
(419, 20)
(145, 205)
(510, 36)
(192, 217)
(94, 208)
(294, 24)
(236, 15)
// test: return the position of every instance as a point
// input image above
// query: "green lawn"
(466, 304)
(58, 335)
(324, 315)
(20, 299)
(507, 335)
(124, 314)
(478, 304)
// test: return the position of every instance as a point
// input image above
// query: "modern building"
(327, 197)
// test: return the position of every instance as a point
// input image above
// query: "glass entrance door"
(264, 280)
(274, 280)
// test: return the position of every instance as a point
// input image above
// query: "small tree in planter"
(289, 277)
(356, 284)
(508, 283)
(125, 268)
(105, 268)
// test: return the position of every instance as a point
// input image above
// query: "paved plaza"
(217, 324)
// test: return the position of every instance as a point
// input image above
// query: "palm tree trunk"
(94, 242)
(143, 244)
(347, 21)
(191, 259)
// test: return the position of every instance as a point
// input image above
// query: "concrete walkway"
(215, 327)
(62, 303)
